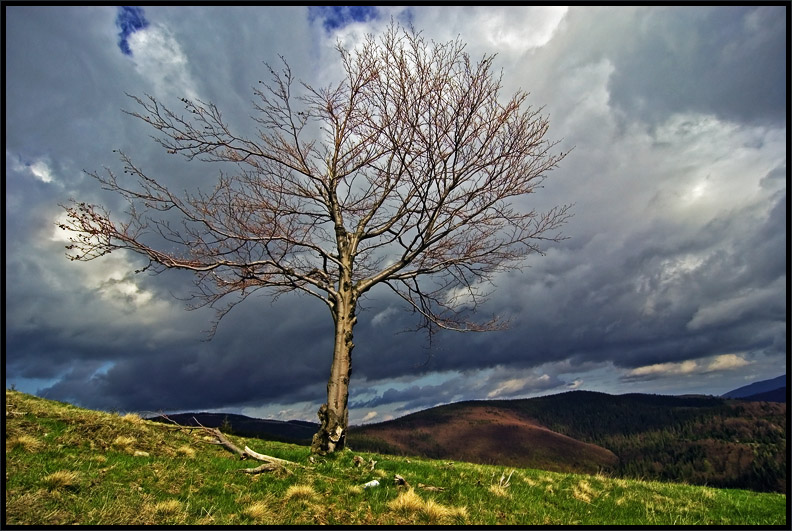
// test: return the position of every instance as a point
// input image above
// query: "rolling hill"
(488, 435)
(696, 439)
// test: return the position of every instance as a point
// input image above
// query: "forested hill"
(695, 439)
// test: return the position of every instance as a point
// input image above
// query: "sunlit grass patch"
(499, 490)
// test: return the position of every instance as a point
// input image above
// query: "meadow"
(67, 465)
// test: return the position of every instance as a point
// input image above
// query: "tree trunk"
(333, 415)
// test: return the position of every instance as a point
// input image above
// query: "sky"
(672, 280)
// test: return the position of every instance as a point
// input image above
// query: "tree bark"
(333, 415)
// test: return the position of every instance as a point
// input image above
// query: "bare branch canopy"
(411, 173)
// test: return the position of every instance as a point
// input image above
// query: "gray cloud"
(728, 61)
(677, 250)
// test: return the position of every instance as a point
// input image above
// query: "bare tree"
(404, 174)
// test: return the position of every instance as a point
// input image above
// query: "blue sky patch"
(130, 19)
(339, 16)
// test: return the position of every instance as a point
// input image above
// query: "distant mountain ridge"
(695, 439)
(773, 390)
(698, 439)
(292, 431)
(776, 395)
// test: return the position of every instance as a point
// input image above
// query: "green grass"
(66, 465)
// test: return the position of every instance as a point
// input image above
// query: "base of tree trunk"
(331, 435)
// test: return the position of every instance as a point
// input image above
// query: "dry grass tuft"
(124, 442)
(258, 511)
(299, 492)
(583, 492)
(167, 507)
(62, 479)
(134, 418)
(410, 502)
(407, 501)
(438, 513)
(26, 442)
(186, 451)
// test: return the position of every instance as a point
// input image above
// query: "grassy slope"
(66, 465)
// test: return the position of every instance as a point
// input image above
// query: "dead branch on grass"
(270, 463)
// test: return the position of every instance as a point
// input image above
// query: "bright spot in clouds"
(159, 58)
(157, 54)
(369, 416)
(518, 385)
(722, 362)
(41, 171)
(727, 362)
(505, 31)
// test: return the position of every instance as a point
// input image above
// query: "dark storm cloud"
(676, 257)
(726, 60)
(129, 20)
(499, 382)
(658, 296)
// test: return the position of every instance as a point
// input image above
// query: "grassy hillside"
(692, 439)
(66, 465)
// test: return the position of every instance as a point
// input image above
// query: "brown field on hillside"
(488, 435)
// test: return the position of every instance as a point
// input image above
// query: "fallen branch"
(430, 487)
(270, 463)
(222, 440)
(266, 467)
(267, 458)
